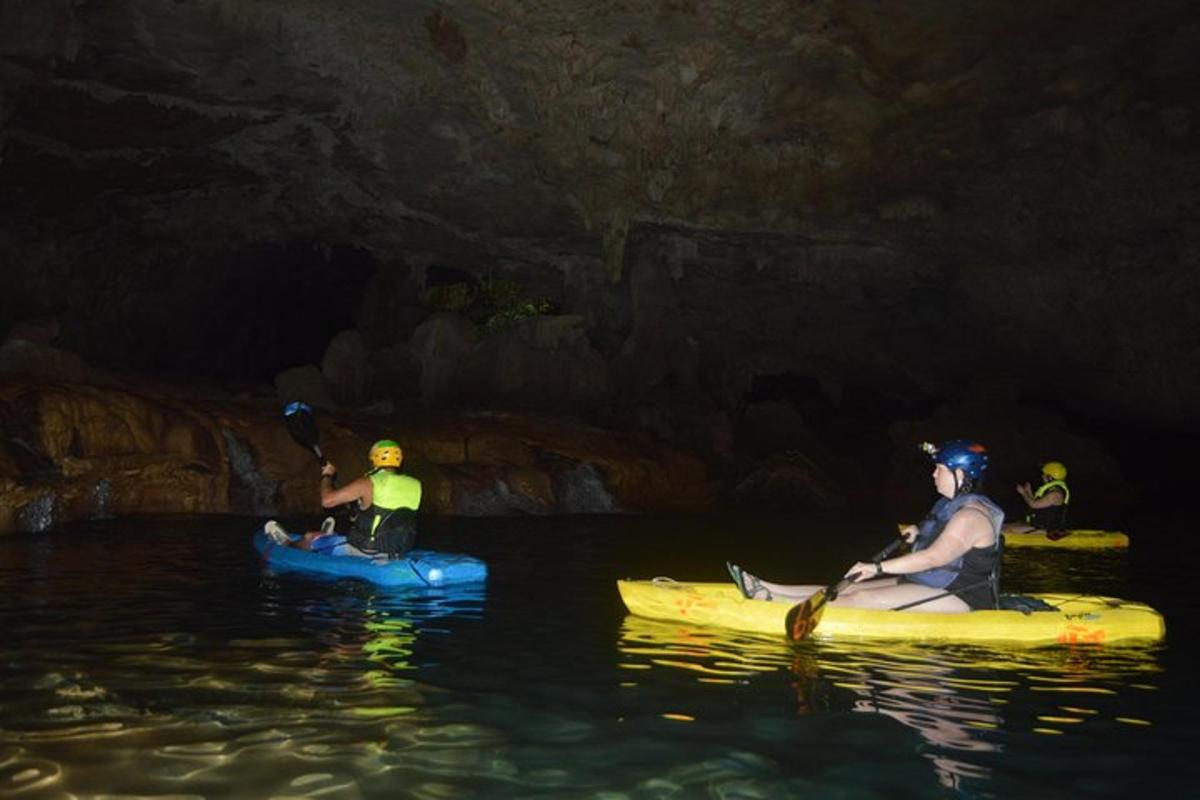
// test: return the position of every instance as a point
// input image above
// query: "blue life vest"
(935, 522)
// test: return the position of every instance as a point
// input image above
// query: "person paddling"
(387, 501)
(1048, 503)
(955, 556)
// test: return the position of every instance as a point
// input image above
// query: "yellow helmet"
(1055, 470)
(386, 453)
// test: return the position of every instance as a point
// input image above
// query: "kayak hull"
(1079, 619)
(1070, 539)
(419, 569)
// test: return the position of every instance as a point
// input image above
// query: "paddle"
(303, 427)
(802, 618)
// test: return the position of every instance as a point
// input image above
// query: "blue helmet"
(970, 457)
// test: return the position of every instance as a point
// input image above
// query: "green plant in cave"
(492, 303)
(502, 302)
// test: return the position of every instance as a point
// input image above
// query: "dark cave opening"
(247, 315)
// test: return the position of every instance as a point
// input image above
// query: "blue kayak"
(418, 569)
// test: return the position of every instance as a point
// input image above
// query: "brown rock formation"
(73, 451)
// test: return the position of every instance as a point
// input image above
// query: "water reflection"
(958, 699)
(315, 691)
(159, 659)
(1103, 572)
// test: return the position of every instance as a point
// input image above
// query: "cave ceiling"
(1030, 167)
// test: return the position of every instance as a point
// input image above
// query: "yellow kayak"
(1078, 619)
(1069, 539)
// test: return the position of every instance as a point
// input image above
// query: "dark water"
(156, 658)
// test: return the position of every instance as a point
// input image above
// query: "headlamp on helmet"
(970, 457)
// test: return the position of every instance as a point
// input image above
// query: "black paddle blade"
(303, 426)
(1054, 536)
(803, 618)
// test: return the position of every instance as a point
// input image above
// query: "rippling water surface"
(152, 658)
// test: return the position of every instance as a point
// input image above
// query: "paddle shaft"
(833, 591)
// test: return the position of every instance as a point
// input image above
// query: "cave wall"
(901, 198)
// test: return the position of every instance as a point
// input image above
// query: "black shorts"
(975, 593)
(396, 541)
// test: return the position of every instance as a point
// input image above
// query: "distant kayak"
(1075, 618)
(1068, 539)
(420, 568)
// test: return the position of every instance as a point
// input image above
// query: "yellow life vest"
(392, 491)
(1048, 485)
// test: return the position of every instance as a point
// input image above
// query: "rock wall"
(885, 200)
(77, 451)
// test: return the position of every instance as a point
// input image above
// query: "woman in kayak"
(955, 549)
(386, 500)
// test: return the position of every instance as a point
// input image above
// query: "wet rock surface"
(76, 451)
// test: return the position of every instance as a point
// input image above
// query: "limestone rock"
(43, 330)
(394, 374)
(345, 370)
(306, 384)
(788, 480)
(770, 184)
(74, 451)
(490, 448)
(543, 363)
(23, 356)
(440, 343)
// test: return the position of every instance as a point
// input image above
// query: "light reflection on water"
(156, 659)
(958, 699)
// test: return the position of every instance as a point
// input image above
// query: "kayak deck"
(1078, 618)
(419, 568)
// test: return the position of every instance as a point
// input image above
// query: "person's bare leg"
(306, 542)
(789, 593)
(887, 597)
(757, 589)
(797, 593)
